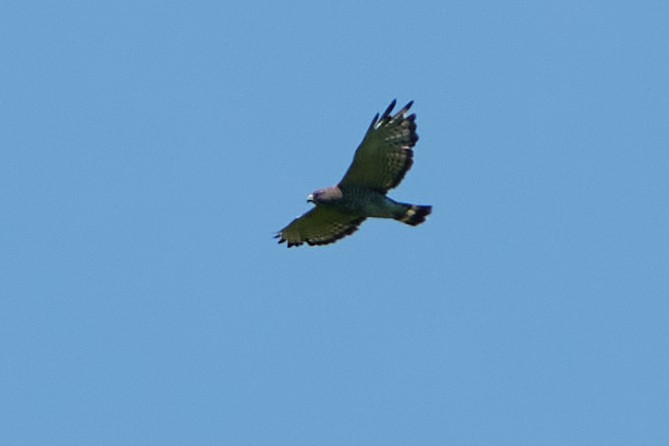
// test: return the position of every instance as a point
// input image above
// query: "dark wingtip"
(389, 109)
(404, 110)
(374, 121)
(280, 237)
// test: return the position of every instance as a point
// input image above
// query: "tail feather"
(415, 214)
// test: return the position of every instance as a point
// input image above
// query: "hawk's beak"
(310, 198)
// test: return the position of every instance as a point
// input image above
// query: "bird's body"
(380, 163)
(360, 201)
(367, 202)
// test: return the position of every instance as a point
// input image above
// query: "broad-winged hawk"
(380, 162)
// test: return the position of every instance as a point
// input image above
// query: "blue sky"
(150, 150)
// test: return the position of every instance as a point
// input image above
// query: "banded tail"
(414, 214)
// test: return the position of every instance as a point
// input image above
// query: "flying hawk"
(380, 162)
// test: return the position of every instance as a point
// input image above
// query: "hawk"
(380, 163)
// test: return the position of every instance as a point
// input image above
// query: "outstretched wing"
(319, 226)
(385, 154)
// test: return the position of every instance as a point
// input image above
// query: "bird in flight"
(380, 163)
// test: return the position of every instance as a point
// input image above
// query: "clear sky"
(150, 150)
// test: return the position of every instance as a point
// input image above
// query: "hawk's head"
(325, 196)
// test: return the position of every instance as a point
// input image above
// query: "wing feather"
(319, 226)
(385, 154)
